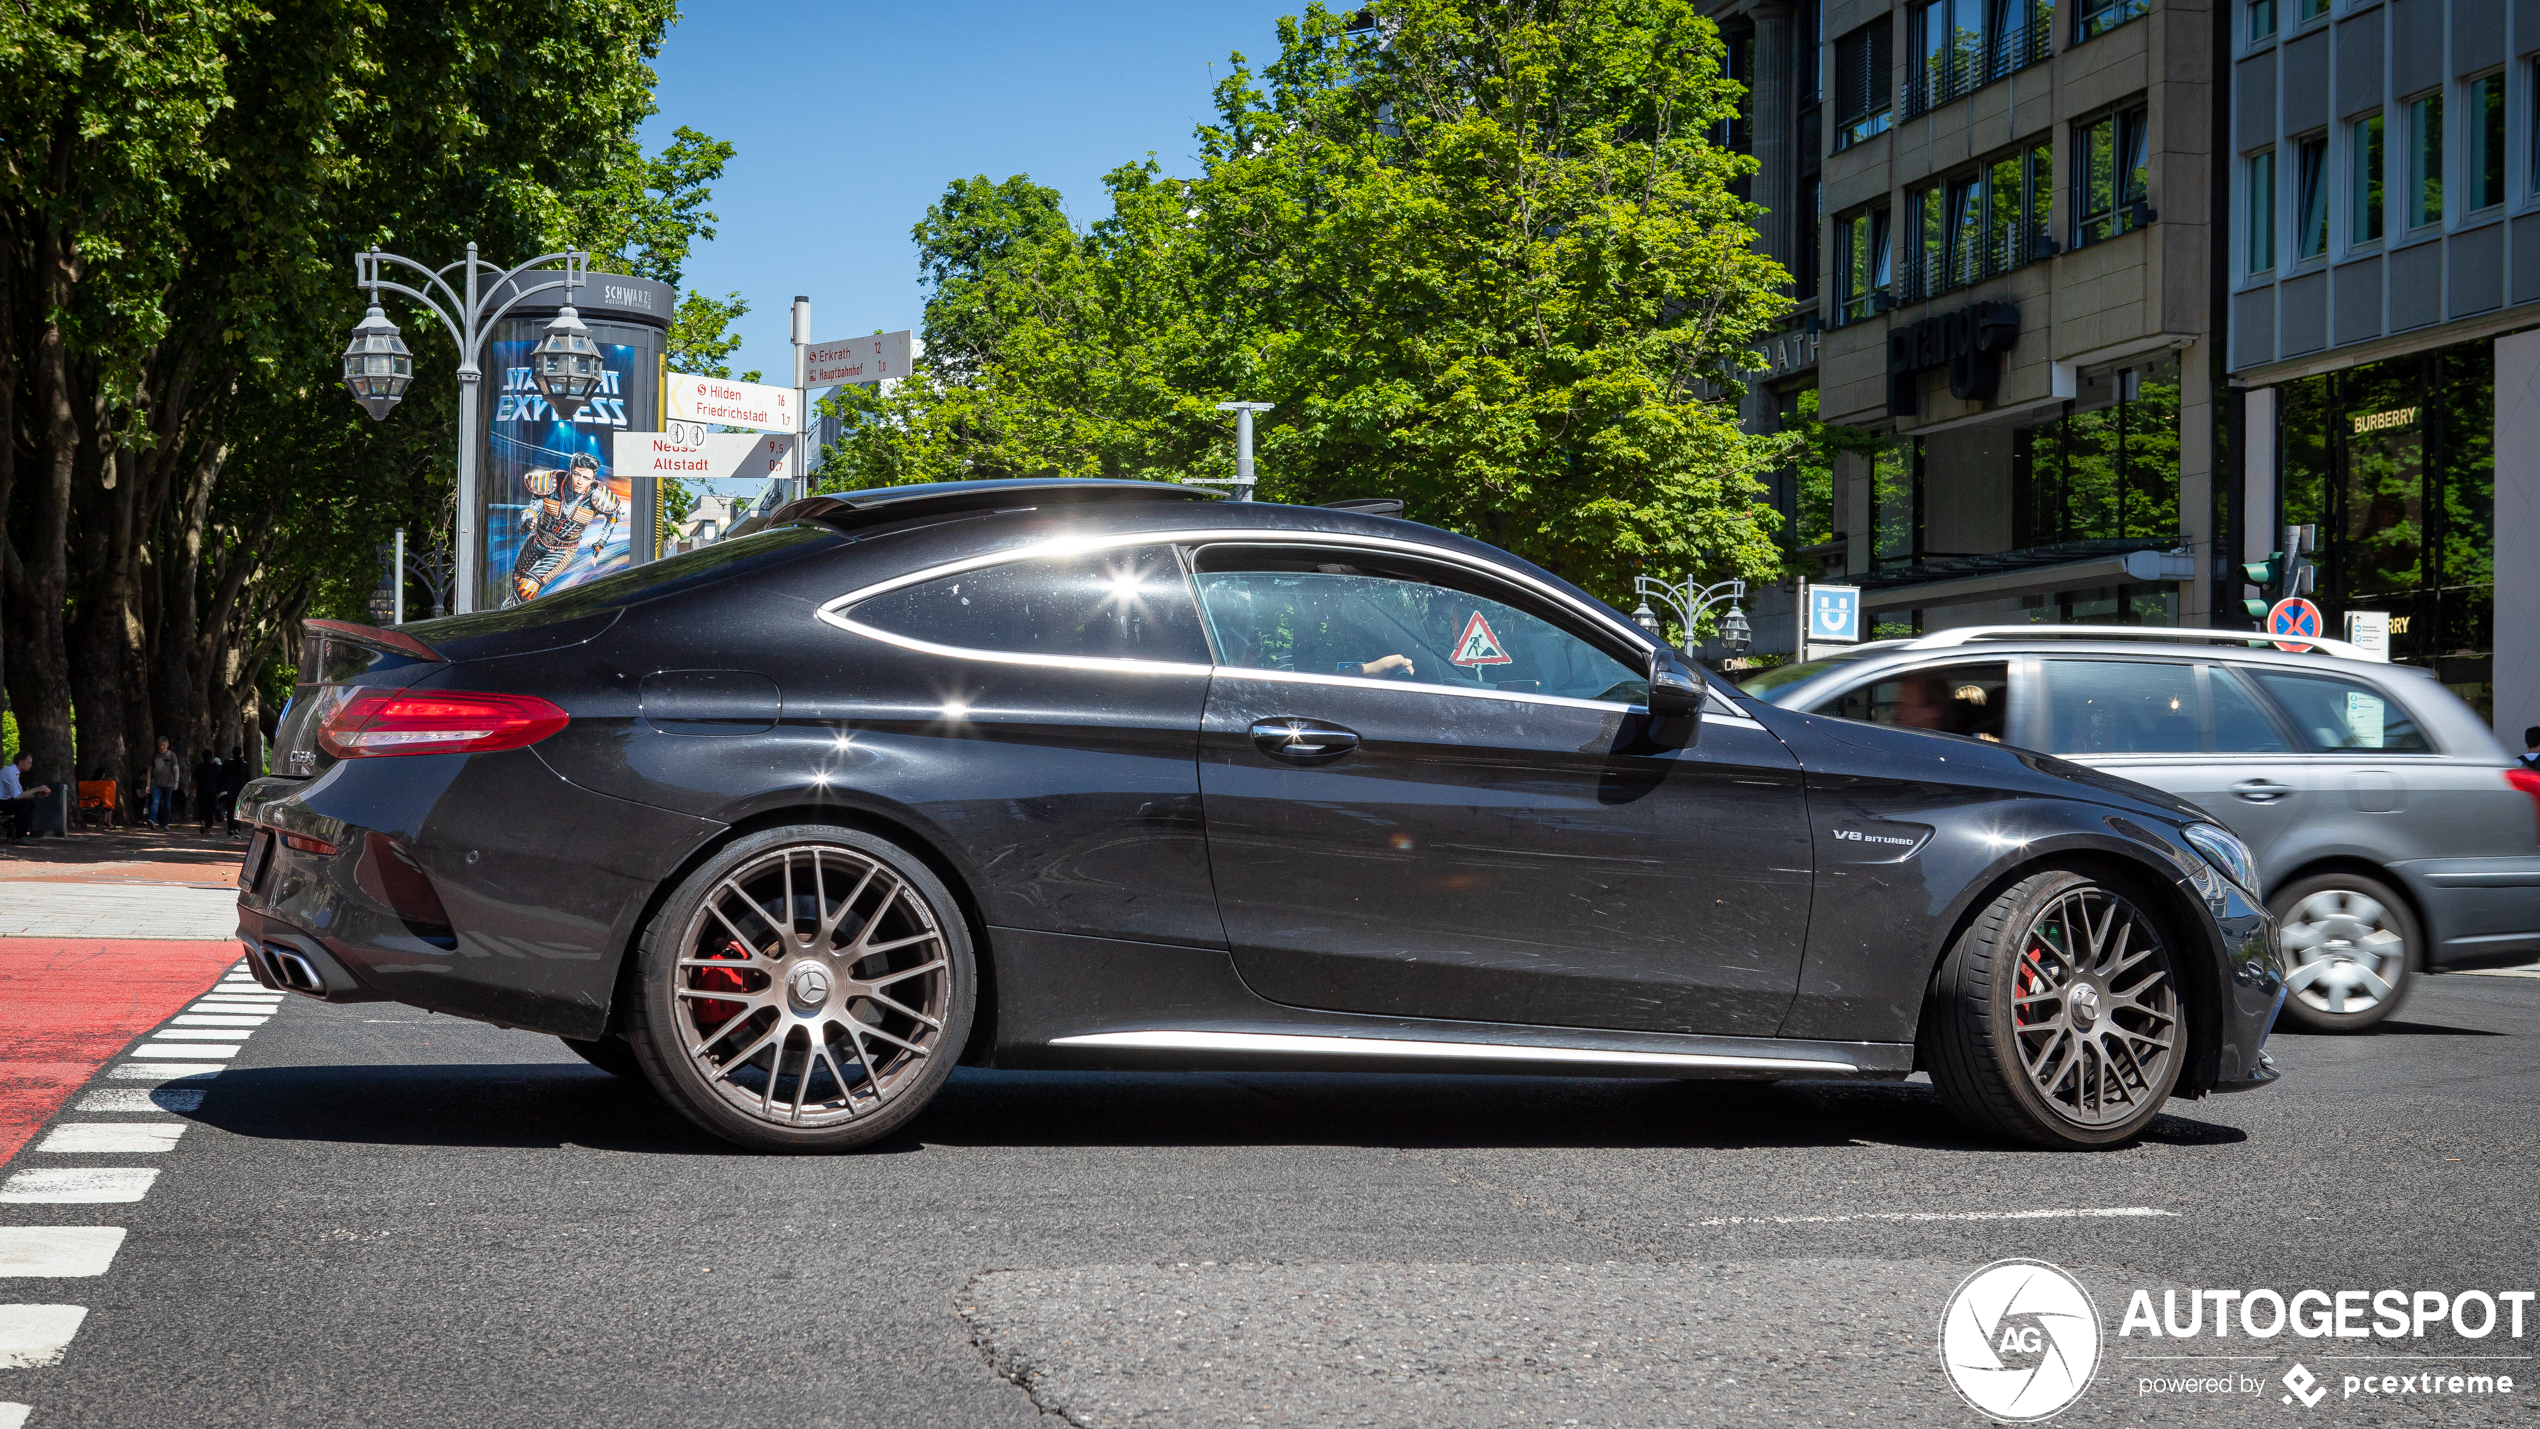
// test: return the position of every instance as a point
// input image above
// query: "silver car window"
(1971, 699)
(2337, 715)
(2123, 707)
(2241, 726)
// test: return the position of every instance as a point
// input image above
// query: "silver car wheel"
(2344, 952)
(812, 985)
(2094, 1008)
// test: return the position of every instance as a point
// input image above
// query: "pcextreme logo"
(2020, 1340)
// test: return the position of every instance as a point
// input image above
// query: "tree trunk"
(39, 664)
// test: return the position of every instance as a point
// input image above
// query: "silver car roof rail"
(1968, 634)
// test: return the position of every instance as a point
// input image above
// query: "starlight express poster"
(557, 513)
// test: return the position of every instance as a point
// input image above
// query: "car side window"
(1132, 603)
(2123, 707)
(1970, 699)
(1336, 613)
(2338, 715)
(2240, 725)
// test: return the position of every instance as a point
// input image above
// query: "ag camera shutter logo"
(2020, 1340)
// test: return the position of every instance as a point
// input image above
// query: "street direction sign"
(2294, 623)
(728, 403)
(714, 456)
(875, 357)
(2369, 631)
(1834, 612)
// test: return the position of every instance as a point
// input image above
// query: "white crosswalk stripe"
(170, 1050)
(77, 1185)
(58, 1250)
(89, 1138)
(143, 1099)
(35, 1336)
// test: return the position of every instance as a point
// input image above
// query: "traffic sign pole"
(802, 423)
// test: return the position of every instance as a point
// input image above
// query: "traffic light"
(2283, 574)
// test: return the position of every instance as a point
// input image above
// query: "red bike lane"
(74, 1003)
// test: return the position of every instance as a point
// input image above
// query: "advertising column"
(557, 512)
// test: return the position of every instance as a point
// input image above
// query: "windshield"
(1764, 682)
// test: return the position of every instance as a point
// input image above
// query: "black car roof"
(879, 505)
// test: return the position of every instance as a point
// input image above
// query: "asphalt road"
(379, 1217)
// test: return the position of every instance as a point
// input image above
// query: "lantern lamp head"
(377, 364)
(1646, 618)
(1734, 631)
(565, 365)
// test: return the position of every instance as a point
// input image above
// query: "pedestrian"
(17, 802)
(2531, 747)
(167, 770)
(207, 782)
(233, 783)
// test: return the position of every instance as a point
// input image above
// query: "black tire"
(822, 1033)
(2332, 923)
(2016, 1046)
(609, 1055)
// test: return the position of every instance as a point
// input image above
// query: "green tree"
(1482, 256)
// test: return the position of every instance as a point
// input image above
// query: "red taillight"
(435, 722)
(2527, 780)
(306, 844)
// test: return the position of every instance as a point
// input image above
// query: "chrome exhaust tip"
(295, 972)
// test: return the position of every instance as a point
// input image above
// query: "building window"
(2313, 9)
(2262, 211)
(1958, 45)
(2310, 198)
(1861, 264)
(2112, 176)
(2107, 468)
(2098, 17)
(2483, 172)
(2261, 20)
(2425, 160)
(1963, 230)
(2364, 138)
(1864, 91)
(1811, 215)
(1896, 502)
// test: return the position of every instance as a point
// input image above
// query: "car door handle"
(2261, 791)
(1303, 741)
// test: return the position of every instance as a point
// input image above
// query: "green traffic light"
(2257, 609)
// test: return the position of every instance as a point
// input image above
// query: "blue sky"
(849, 119)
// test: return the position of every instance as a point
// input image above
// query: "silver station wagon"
(2393, 834)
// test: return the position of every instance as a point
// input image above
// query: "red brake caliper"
(710, 1015)
(2030, 981)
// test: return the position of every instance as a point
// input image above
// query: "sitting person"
(17, 802)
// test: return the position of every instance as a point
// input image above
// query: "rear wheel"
(808, 989)
(2349, 943)
(2056, 1019)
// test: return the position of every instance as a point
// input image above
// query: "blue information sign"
(1834, 612)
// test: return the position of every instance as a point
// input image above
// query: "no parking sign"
(2294, 622)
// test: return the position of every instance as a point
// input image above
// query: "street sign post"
(2293, 623)
(706, 456)
(878, 357)
(1831, 615)
(725, 402)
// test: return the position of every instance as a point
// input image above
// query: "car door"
(2187, 727)
(1428, 794)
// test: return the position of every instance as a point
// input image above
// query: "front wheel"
(807, 989)
(2056, 1019)
(2348, 945)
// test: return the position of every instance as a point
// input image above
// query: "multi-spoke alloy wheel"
(2057, 1018)
(2346, 951)
(2094, 1010)
(807, 990)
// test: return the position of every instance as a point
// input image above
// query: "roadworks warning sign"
(1478, 646)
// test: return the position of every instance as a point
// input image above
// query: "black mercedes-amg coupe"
(1113, 774)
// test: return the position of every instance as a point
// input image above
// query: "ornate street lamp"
(1688, 601)
(565, 366)
(377, 364)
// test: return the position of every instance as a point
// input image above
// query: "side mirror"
(1675, 701)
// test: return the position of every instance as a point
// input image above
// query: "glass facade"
(2106, 467)
(2394, 463)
